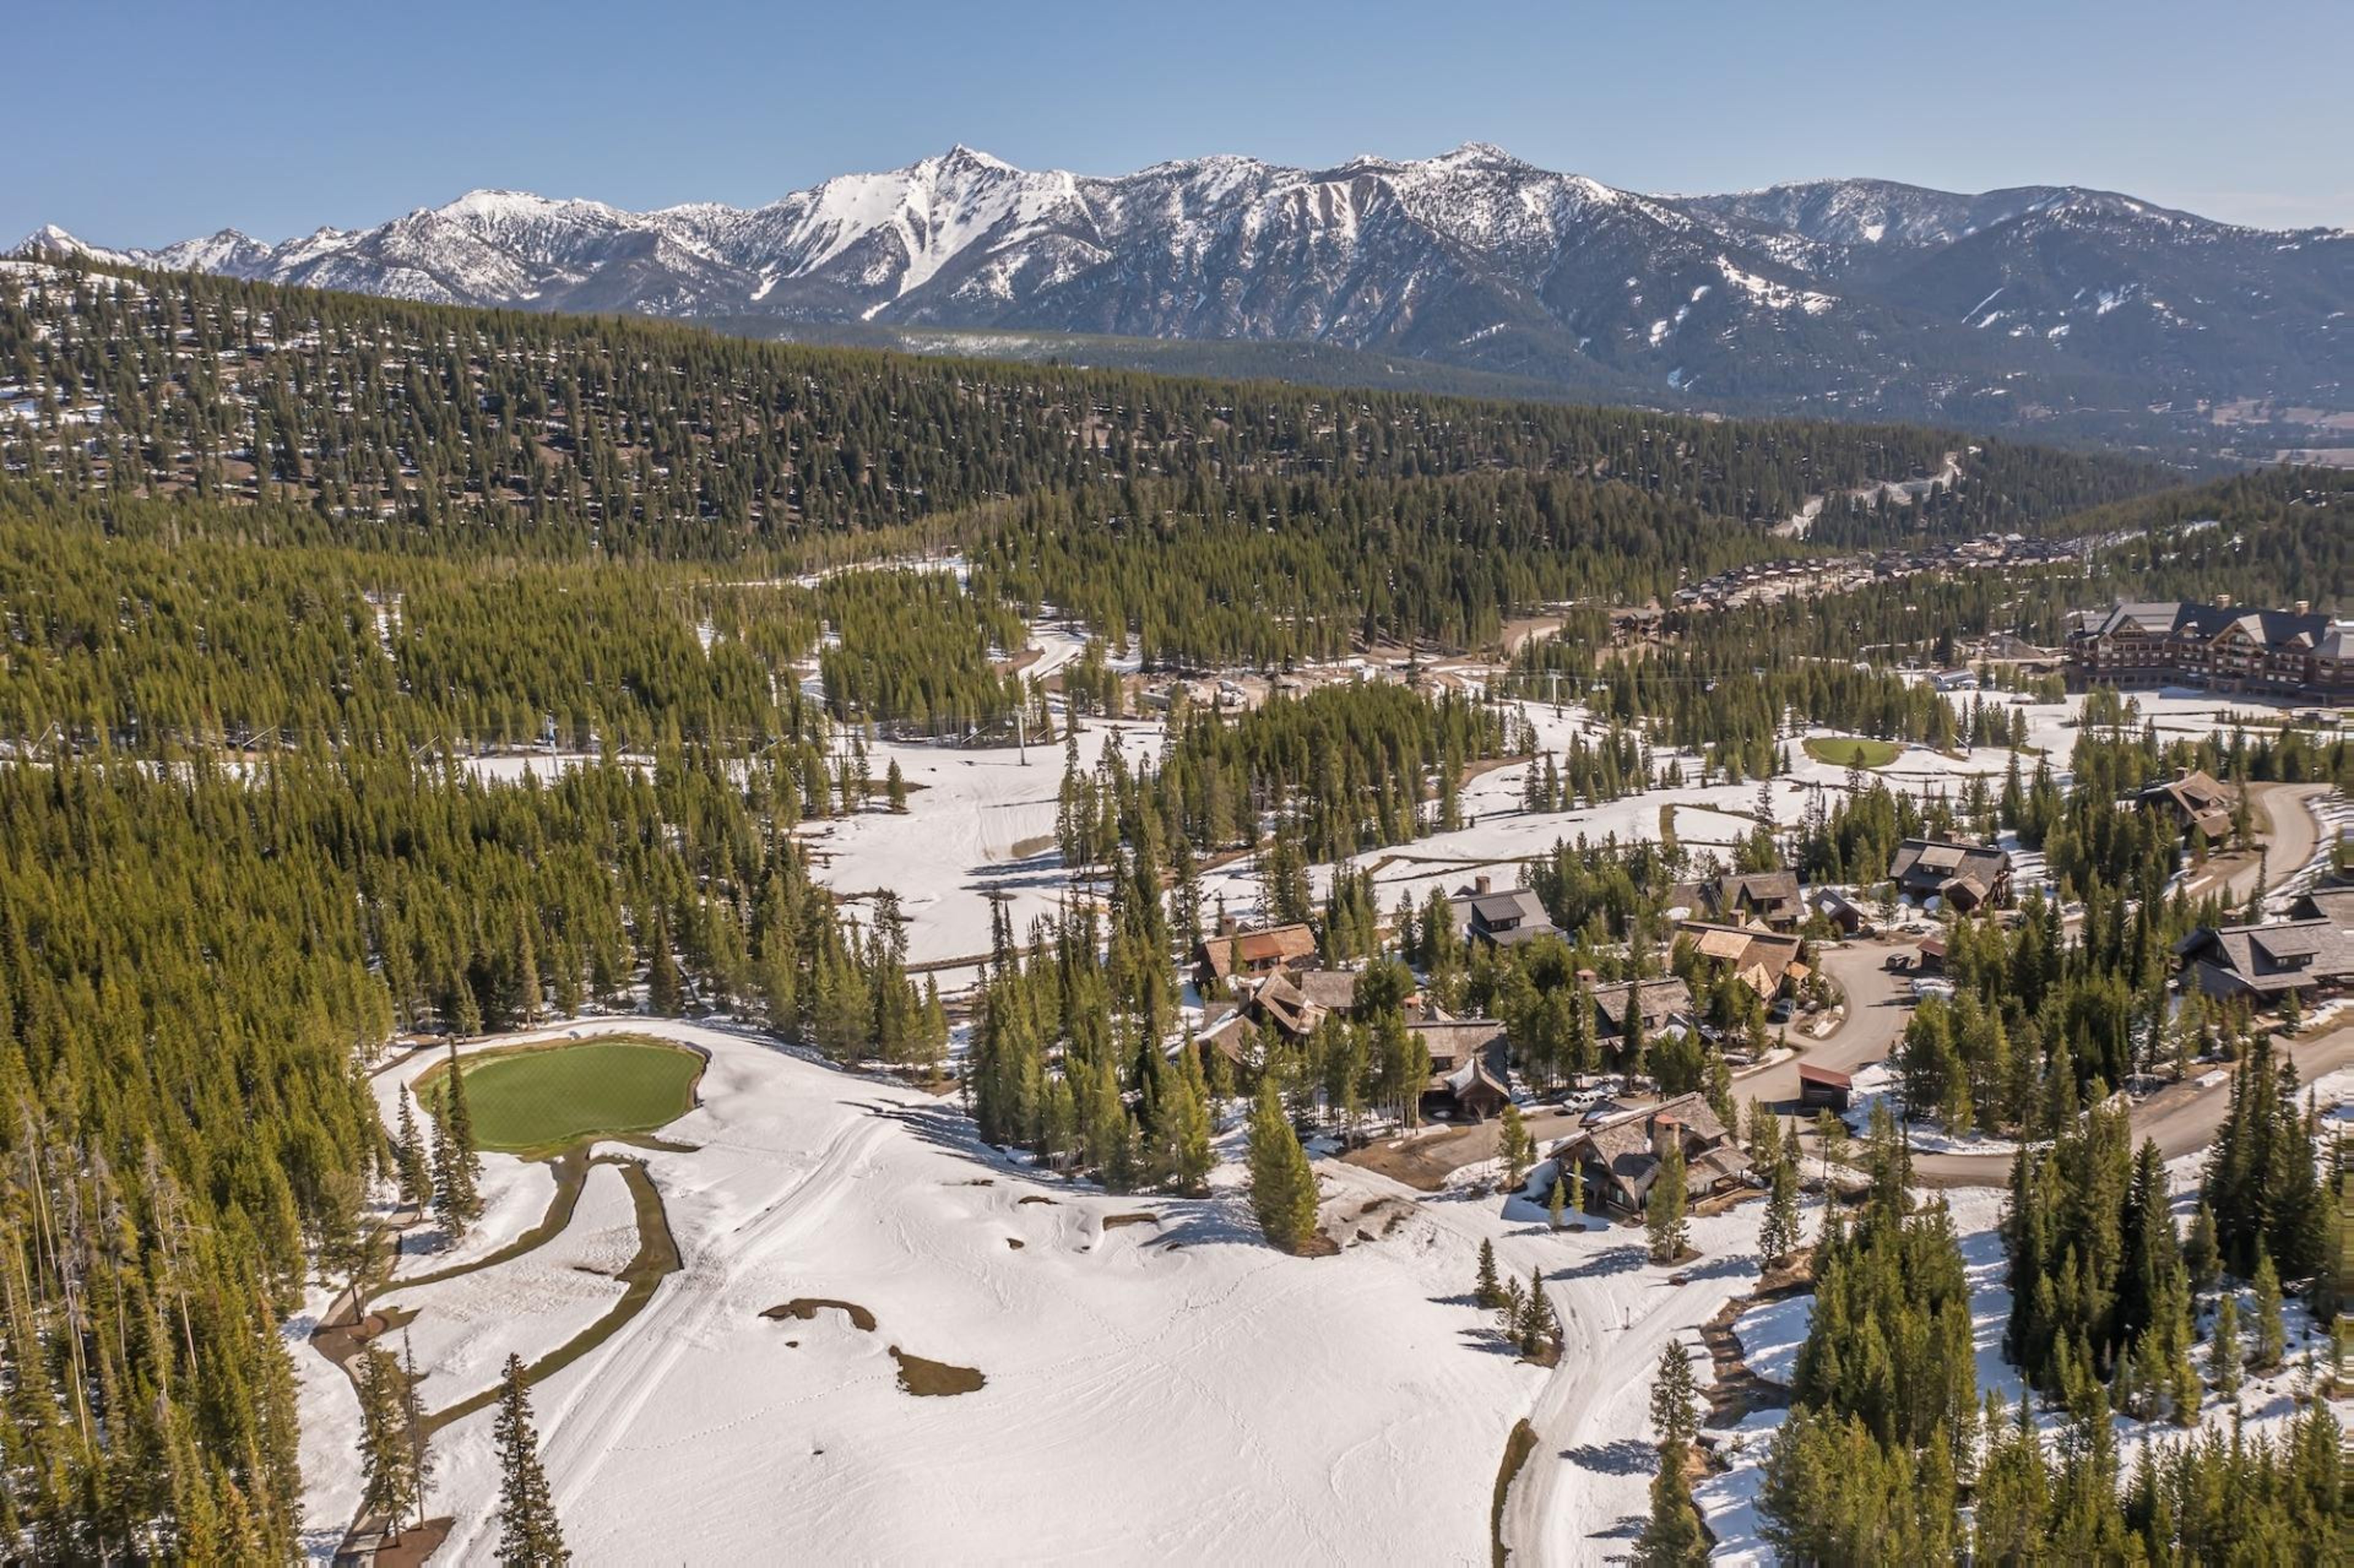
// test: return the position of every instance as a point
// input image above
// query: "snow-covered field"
(982, 827)
(1157, 1390)
(465, 1328)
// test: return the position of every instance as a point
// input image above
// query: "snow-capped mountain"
(1843, 295)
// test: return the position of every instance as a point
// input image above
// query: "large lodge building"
(2290, 653)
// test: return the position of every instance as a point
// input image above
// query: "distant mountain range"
(2079, 309)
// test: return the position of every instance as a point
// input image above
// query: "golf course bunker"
(935, 1379)
(806, 1307)
(541, 1097)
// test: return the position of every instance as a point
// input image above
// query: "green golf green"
(543, 1097)
(1847, 753)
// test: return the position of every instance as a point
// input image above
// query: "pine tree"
(665, 992)
(1537, 1329)
(529, 1535)
(1516, 1147)
(1663, 1217)
(1487, 1289)
(457, 1168)
(2271, 1338)
(412, 1424)
(2223, 1348)
(1673, 1392)
(412, 1164)
(1183, 1125)
(1282, 1182)
(1778, 1238)
(387, 1454)
(894, 788)
(1671, 1537)
(2199, 1254)
(1559, 1203)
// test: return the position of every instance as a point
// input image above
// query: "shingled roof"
(1661, 1000)
(2197, 801)
(1760, 958)
(1935, 867)
(1626, 1146)
(2272, 959)
(2282, 628)
(1256, 949)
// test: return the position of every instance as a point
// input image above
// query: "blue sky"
(140, 124)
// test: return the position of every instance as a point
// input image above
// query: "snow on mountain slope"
(1846, 293)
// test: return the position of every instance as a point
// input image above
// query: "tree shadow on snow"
(1622, 1259)
(1201, 1222)
(1490, 1339)
(1619, 1457)
(1729, 1265)
(995, 880)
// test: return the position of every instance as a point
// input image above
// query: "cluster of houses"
(2290, 653)
(2262, 964)
(1269, 983)
(1769, 580)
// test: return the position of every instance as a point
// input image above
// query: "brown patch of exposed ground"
(930, 1379)
(805, 1308)
(415, 1545)
(1425, 1160)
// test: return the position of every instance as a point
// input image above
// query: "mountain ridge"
(1836, 296)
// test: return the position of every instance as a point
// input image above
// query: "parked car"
(1927, 986)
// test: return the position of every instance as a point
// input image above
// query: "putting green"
(543, 1097)
(1854, 753)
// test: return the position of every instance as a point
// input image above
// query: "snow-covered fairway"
(1158, 1392)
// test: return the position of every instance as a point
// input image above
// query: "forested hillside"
(272, 563)
(556, 433)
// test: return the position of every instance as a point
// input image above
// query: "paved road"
(2296, 834)
(2183, 1118)
(1879, 1002)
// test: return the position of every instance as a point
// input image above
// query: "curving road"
(2294, 836)
(2183, 1119)
(1879, 1000)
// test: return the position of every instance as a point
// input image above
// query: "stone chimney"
(2223, 601)
(2305, 606)
(1667, 1133)
(1483, 884)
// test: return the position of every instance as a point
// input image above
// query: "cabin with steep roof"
(1962, 876)
(1620, 1157)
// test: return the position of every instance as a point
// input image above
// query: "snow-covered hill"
(1836, 295)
